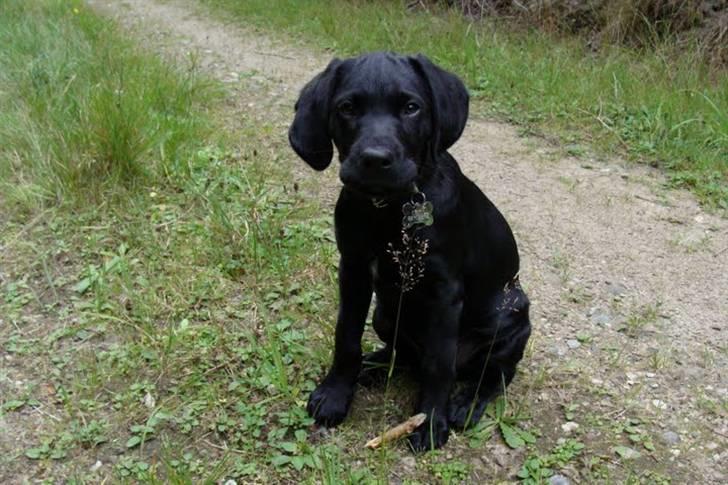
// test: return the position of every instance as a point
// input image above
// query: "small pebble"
(558, 350)
(149, 401)
(601, 319)
(569, 427)
(559, 480)
(573, 343)
(408, 463)
(616, 289)
(671, 437)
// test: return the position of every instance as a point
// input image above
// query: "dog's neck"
(397, 199)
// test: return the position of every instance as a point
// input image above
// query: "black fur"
(392, 119)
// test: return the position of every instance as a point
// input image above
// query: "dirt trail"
(629, 281)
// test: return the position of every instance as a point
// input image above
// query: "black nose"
(376, 159)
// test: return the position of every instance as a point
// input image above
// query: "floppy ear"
(449, 101)
(309, 132)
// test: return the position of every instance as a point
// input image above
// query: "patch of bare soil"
(628, 280)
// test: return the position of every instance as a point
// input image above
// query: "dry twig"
(398, 431)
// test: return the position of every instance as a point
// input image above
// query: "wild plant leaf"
(298, 462)
(82, 285)
(13, 405)
(526, 436)
(523, 472)
(34, 453)
(482, 432)
(133, 441)
(280, 460)
(289, 446)
(626, 452)
(58, 454)
(511, 436)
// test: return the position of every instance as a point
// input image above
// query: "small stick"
(398, 431)
(718, 253)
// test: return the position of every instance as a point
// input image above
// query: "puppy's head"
(388, 115)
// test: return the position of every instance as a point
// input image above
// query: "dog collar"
(382, 202)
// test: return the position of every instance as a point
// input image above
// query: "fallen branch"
(398, 431)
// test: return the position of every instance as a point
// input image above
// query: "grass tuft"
(82, 109)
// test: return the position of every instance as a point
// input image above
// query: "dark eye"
(346, 108)
(411, 108)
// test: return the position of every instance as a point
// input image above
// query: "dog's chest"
(399, 255)
(397, 308)
(390, 278)
(385, 274)
(383, 271)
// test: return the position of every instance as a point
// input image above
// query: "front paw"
(329, 403)
(431, 434)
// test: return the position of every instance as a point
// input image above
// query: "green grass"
(82, 111)
(655, 105)
(156, 290)
(175, 329)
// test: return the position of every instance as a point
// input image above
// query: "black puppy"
(465, 317)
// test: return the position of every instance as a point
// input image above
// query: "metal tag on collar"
(418, 211)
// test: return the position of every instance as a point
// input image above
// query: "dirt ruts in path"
(607, 251)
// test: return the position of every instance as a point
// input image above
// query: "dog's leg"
(437, 371)
(330, 401)
(467, 405)
(492, 368)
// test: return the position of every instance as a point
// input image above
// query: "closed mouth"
(366, 190)
(378, 192)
